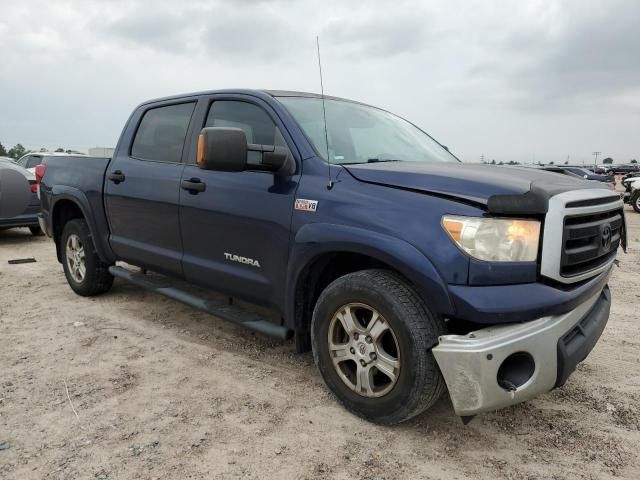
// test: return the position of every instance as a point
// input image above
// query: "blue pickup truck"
(405, 271)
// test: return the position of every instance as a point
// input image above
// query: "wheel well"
(315, 278)
(64, 211)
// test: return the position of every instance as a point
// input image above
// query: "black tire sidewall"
(92, 262)
(634, 201)
(405, 393)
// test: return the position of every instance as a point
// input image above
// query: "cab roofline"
(254, 92)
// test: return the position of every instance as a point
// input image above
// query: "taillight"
(40, 170)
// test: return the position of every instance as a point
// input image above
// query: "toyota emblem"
(605, 240)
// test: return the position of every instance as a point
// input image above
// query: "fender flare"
(64, 192)
(316, 239)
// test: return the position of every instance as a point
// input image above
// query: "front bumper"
(546, 350)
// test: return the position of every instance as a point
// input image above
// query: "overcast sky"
(522, 80)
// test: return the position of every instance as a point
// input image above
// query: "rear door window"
(161, 133)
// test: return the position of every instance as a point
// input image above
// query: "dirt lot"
(162, 391)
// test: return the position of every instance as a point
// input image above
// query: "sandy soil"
(163, 391)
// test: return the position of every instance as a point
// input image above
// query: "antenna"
(324, 115)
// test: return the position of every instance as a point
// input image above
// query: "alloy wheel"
(76, 258)
(364, 350)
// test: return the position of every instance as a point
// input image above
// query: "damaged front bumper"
(504, 365)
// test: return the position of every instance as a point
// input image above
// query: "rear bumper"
(28, 218)
(24, 220)
(471, 364)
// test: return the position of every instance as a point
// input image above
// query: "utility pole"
(482, 158)
(595, 162)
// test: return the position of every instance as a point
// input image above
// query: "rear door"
(142, 192)
(236, 232)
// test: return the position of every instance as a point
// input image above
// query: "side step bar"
(252, 321)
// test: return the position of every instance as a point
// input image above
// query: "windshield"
(360, 134)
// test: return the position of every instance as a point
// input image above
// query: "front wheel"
(372, 337)
(635, 201)
(86, 274)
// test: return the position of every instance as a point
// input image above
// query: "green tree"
(3, 151)
(632, 161)
(607, 161)
(17, 151)
(59, 150)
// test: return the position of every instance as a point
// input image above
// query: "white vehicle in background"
(30, 160)
(631, 186)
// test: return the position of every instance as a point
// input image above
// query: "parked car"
(30, 160)
(403, 269)
(581, 172)
(29, 217)
(631, 184)
(618, 169)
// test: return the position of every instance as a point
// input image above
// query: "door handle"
(193, 186)
(116, 176)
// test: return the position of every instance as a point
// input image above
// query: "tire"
(36, 231)
(411, 325)
(635, 201)
(86, 274)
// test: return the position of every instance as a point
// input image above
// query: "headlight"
(495, 239)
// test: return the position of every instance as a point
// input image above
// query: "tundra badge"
(239, 259)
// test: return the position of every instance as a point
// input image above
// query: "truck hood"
(500, 189)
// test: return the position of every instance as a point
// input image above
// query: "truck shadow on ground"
(14, 236)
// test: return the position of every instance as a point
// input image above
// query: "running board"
(250, 320)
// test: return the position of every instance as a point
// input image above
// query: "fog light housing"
(516, 370)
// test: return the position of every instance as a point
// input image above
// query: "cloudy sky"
(526, 80)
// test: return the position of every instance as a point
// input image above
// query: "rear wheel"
(371, 337)
(86, 274)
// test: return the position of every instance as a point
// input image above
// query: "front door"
(142, 190)
(236, 232)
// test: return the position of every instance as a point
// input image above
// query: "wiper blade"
(377, 160)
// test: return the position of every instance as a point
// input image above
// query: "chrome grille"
(589, 241)
(575, 227)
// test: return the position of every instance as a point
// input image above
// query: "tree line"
(19, 150)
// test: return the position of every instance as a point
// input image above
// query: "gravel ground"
(133, 385)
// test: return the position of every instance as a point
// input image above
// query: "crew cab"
(405, 271)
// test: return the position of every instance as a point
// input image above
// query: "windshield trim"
(283, 94)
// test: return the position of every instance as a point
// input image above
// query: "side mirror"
(223, 149)
(279, 160)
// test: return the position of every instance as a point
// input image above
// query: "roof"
(254, 92)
